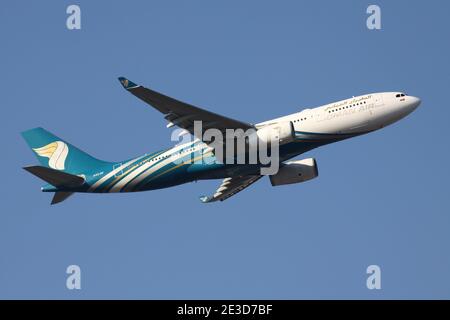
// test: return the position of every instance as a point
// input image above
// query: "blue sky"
(380, 199)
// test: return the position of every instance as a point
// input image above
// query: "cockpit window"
(398, 95)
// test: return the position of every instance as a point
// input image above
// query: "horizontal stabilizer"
(60, 196)
(56, 178)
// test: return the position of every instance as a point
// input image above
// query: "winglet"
(127, 84)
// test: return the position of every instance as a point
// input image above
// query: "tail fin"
(55, 153)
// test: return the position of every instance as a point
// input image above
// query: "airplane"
(68, 170)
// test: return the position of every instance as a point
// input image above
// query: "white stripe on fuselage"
(112, 173)
(134, 177)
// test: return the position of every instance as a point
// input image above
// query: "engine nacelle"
(295, 172)
(282, 131)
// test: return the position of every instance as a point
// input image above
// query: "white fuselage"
(352, 116)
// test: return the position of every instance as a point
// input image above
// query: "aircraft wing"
(180, 113)
(231, 186)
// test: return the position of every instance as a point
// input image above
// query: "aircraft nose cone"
(415, 102)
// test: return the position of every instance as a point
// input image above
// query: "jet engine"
(295, 172)
(282, 131)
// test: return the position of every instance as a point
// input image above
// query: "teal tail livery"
(55, 153)
(63, 166)
(67, 170)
